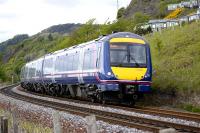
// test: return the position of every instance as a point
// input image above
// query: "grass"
(176, 62)
(175, 55)
(30, 127)
(191, 108)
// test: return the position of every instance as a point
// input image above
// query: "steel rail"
(100, 115)
(139, 109)
(121, 117)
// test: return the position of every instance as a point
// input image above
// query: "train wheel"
(132, 103)
(66, 91)
(93, 100)
(62, 90)
(103, 102)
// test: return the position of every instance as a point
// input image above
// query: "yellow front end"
(123, 73)
(128, 73)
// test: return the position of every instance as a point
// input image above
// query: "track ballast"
(116, 118)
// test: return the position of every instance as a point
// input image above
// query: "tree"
(120, 13)
(87, 32)
(50, 37)
(140, 18)
(2, 74)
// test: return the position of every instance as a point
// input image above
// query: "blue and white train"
(113, 67)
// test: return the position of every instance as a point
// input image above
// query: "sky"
(32, 16)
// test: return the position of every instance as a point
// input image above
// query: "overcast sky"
(32, 16)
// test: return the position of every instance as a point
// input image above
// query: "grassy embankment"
(36, 46)
(176, 60)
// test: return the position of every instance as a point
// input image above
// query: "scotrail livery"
(113, 67)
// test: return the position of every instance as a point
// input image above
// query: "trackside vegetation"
(176, 58)
(176, 62)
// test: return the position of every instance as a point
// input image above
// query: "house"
(190, 4)
(193, 17)
(186, 4)
(189, 18)
(172, 7)
(184, 19)
(161, 24)
(198, 11)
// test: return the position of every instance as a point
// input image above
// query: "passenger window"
(86, 64)
(38, 68)
(48, 66)
(89, 60)
(75, 61)
(67, 62)
(70, 63)
(26, 72)
(58, 64)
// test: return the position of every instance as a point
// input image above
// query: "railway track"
(111, 117)
(138, 109)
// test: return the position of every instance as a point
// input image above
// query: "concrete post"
(15, 121)
(4, 124)
(56, 122)
(168, 130)
(91, 124)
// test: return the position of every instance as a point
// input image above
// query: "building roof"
(162, 21)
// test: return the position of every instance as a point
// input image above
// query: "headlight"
(109, 73)
(147, 76)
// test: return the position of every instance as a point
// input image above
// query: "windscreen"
(127, 55)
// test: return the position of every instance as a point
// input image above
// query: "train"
(115, 67)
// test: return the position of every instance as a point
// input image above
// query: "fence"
(9, 122)
(91, 125)
(4, 124)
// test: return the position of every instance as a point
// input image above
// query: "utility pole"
(117, 5)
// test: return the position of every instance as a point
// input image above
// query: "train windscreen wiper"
(136, 63)
(121, 61)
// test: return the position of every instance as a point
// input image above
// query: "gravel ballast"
(120, 111)
(70, 122)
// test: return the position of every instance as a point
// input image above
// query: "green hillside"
(33, 47)
(153, 8)
(176, 58)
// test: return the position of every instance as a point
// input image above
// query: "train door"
(80, 66)
(53, 69)
(42, 71)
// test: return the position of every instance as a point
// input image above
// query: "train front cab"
(128, 73)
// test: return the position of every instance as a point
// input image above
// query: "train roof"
(103, 38)
(122, 35)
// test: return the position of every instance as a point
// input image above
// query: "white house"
(186, 4)
(172, 7)
(162, 24)
(184, 19)
(194, 17)
(198, 11)
(190, 4)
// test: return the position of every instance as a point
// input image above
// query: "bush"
(2, 74)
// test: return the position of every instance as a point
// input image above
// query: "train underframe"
(127, 94)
